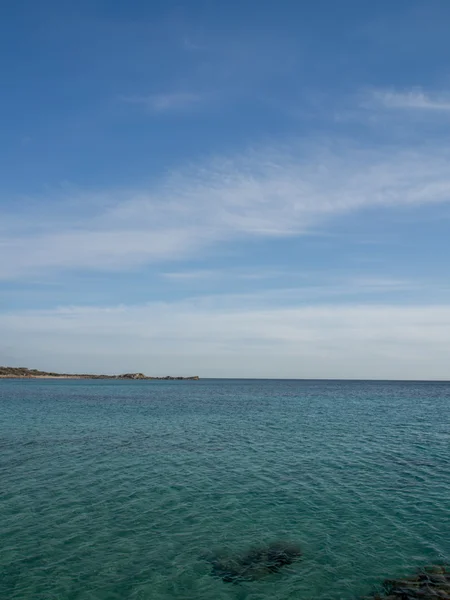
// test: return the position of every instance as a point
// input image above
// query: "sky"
(226, 189)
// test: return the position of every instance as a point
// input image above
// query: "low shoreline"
(43, 377)
(24, 373)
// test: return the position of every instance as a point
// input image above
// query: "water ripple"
(119, 489)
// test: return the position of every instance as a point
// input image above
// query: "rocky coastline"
(25, 373)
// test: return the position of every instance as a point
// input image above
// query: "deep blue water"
(113, 489)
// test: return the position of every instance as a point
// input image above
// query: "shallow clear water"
(119, 489)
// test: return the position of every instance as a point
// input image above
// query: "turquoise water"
(114, 489)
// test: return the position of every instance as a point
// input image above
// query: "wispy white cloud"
(226, 337)
(265, 193)
(227, 273)
(192, 275)
(308, 283)
(379, 284)
(167, 102)
(415, 99)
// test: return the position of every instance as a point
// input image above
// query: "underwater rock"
(430, 583)
(256, 563)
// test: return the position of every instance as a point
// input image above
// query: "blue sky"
(239, 189)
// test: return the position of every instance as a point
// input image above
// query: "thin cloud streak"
(226, 273)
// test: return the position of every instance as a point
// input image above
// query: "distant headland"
(24, 373)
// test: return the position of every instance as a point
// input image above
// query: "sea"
(126, 489)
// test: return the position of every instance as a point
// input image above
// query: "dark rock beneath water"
(430, 583)
(256, 563)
